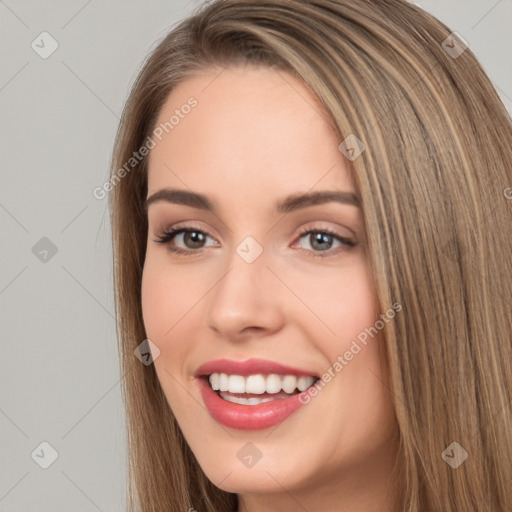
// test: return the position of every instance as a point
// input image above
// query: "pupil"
(194, 239)
(321, 241)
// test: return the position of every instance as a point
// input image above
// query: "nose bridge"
(242, 298)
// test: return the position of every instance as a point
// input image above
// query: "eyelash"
(168, 236)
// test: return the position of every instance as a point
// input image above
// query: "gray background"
(59, 363)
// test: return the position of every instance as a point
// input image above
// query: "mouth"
(258, 388)
(255, 401)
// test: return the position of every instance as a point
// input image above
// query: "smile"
(259, 388)
(251, 395)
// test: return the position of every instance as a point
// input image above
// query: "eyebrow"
(288, 204)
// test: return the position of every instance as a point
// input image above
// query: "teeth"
(215, 381)
(223, 381)
(289, 383)
(273, 383)
(247, 401)
(303, 382)
(255, 384)
(236, 384)
(259, 384)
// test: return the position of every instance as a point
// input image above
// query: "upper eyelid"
(190, 225)
(302, 231)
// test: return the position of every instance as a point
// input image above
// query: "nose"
(246, 301)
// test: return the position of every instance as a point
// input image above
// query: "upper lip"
(249, 367)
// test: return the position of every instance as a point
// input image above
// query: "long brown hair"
(434, 182)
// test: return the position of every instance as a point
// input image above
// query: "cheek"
(172, 297)
(158, 301)
(341, 302)
(351, 307)
(166, 309)
(342, 326)
(168, 296)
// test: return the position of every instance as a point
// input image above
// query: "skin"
(256, 136)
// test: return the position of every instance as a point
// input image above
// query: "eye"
(318, 242)
(184, 240)
(324, 242)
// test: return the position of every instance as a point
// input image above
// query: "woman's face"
(264, 277)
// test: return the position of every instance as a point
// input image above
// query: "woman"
(311, 223)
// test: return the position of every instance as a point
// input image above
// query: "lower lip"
(248, 417)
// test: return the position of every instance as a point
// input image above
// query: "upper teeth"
(259, 383)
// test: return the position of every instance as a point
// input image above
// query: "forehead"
(253, 130)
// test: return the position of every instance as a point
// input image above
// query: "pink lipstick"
(273, 391)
